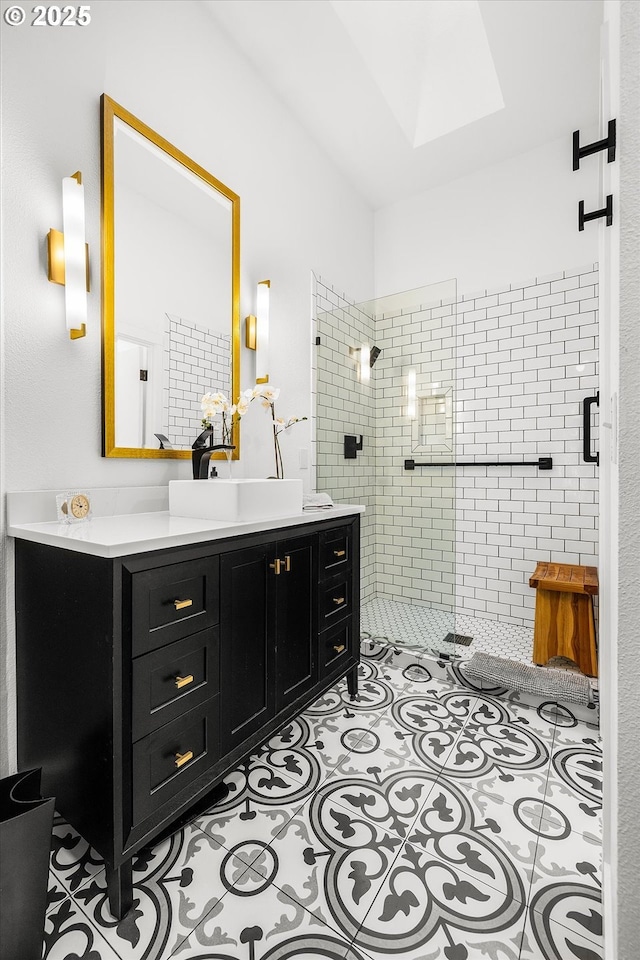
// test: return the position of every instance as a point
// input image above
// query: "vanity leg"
(120, 889)
(352, 683)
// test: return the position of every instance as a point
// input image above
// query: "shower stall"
(471, 465)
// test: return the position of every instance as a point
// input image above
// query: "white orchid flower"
(270, 393)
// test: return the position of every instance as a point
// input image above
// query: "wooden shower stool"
(564, 624)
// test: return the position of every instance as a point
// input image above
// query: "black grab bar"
(588, 402)
(542, 463)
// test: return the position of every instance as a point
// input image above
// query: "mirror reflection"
(171, 324)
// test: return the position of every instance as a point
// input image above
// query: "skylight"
(430, 59)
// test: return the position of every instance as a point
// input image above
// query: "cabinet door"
(295, 619)
(247, 644)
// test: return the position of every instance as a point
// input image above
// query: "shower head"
(373, 355)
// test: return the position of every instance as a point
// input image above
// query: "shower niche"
(432, 423)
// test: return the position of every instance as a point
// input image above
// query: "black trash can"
(26, 821)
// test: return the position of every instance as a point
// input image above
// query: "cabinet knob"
(275, 566)
(182, 758)
(184, 681)
(181, 604)
(338, 600)
(287, 564)
(339, 648)
(339, 553)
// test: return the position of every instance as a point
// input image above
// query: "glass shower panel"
(386, 373)
(345, 407)
(415, 379)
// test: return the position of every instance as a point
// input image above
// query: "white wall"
(621, 487)
(511, 221)
(169, 65)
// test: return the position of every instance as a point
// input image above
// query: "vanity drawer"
(171, 757)
(173, 679)
(335, 551)
(173, 601)
(335, 599)
(335, 646)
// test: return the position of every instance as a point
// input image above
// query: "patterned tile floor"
(422, 820)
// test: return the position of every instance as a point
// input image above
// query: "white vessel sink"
(235, 499)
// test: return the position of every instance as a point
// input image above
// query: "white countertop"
(122, 534)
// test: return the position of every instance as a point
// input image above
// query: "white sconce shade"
(262, 332)
(69, 258)
(365, 363)
(411, 394)
(75, 263)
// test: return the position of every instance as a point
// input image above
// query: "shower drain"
(458, 638)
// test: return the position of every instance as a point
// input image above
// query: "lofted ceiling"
(404, 95)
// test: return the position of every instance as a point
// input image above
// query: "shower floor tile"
(419, 628)
(415, 631)
(411, 637)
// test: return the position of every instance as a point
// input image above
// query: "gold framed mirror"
(170, 292)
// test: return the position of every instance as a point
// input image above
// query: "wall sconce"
(411, 394)
(257, 332)
(69, 256)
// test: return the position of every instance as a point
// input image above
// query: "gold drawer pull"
(181, 604)
(184, 681)
(182, 758)
(287, 564)
(339, 553)
(339, 648)
(338, 600)
(275, 566)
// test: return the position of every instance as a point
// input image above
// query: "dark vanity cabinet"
(268, 625)
(144, 680)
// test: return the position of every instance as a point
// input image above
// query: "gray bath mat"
(555, 684)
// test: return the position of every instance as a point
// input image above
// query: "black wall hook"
(595, 214)
(608, 144)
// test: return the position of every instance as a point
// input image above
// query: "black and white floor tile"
(423, 820)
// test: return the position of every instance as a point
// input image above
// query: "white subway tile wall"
(198, 361)
(520, 362)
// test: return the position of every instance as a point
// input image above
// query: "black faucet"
(201, 453)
